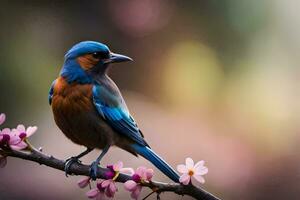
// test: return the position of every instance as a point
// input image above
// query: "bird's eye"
(101, 55)
(97, 55)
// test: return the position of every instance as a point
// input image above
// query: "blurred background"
(214, 80)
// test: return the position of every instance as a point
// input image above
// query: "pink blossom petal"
(14, 132)
(92, 193)
(14, 140)
(3, 161)
(182, 169)
(109, 194)
(2, 118)
(199, 164)
(130, 185)
(21, 128)
(112, 187)
(6, 131)
(184, 179)
(30, 130)
(82, 183)
(189, 163)
(106, 183)
(199, 178)
(128, 171)
(136, 193)
(118, 166)
(21, 145)
(100, 196)
(149, 174)
(141, 171)
(201, 170)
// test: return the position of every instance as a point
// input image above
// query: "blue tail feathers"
(150, 155)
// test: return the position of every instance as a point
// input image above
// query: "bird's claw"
(68, 164)
(93, 170)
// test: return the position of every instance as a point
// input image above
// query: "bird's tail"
(156, 160)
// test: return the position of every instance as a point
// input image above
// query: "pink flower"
(106, 188)
(22, 133)
(142, 174)
(94, 193)
(11, 138)
(97, 193)
(15, 138)
(3, 161)
(16, 141)
(2, 118)
(134, 188)
(25, 133)
(109, 187)
(190, 170)
(118, 167)
(82, 183)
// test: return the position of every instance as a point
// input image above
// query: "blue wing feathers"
(115, 112)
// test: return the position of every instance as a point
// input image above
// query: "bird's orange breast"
(75, 114)
(72, 95)
(72, 106)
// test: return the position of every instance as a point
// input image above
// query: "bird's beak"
(116, 58)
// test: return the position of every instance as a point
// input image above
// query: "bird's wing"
(114, 110)
(51, 92)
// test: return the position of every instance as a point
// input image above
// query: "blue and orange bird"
(90, 110)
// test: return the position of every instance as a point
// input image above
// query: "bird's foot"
(68, 164)
(93, 170)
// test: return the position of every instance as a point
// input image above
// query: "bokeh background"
(214, 80)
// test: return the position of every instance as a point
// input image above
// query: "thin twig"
(158, 196)
(148, 195)
(83, 170)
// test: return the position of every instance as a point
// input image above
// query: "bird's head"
(90, 56)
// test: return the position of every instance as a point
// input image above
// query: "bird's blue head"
(88, 58)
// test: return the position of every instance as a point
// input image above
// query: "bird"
(89, 108)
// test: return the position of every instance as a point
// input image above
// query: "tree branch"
(80, 169)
